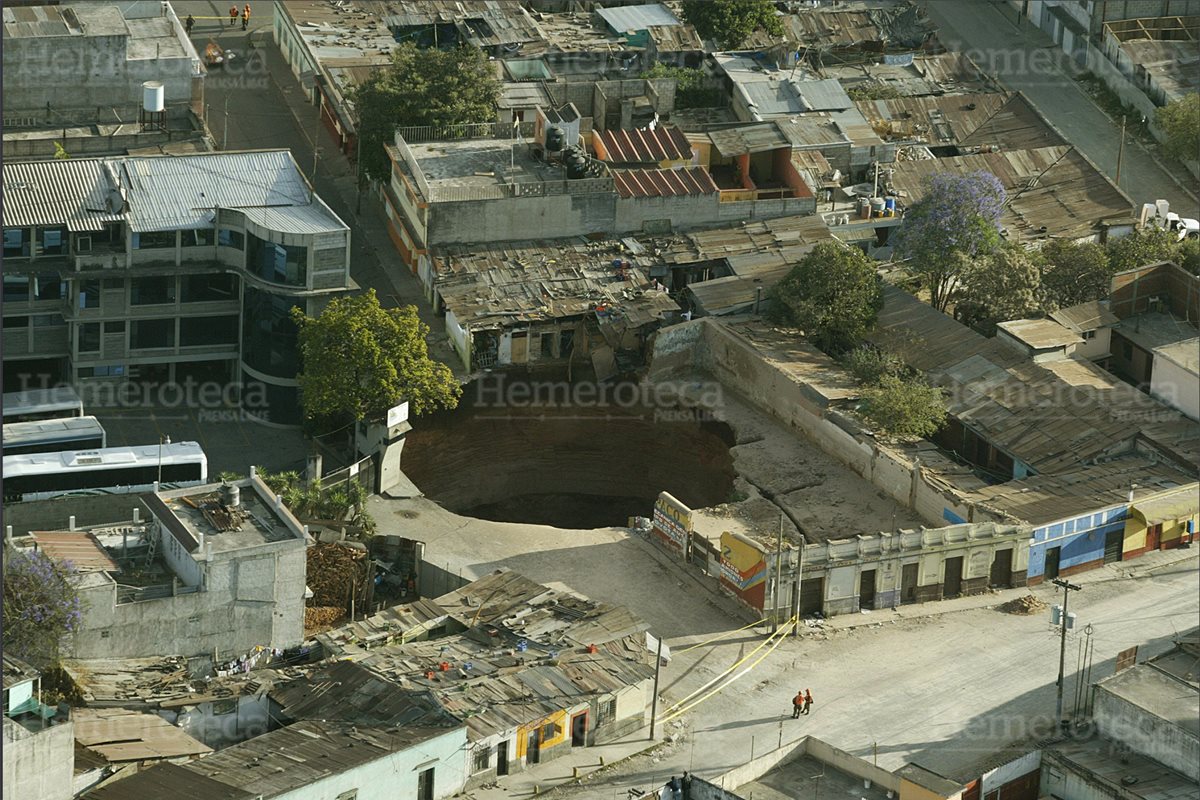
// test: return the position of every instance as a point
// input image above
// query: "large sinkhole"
(573, 455)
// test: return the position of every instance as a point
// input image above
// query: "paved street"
(1027, 60)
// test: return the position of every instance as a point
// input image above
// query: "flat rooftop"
(203, 514)
(481, 165)
(149, 37)
(1185, 354)
(1112, 763)
(1040, 334)
(1153, 329)
(809, 778)
(1158, 692)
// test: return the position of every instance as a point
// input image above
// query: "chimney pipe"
(137, 514)
(71, 523)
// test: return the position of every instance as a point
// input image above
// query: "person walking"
(676, 787)
(797, 704)
(808, 701)
(233, 15)
(246, 16)
(188, 23)
(687, 786)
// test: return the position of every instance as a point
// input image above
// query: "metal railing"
(419, 134)
(137, 594)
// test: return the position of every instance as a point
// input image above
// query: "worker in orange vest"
(233, 15)
(245, 16)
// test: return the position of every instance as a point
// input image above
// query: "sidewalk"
(568, 769)
(1141, 567)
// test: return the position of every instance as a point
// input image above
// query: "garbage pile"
(335, 571)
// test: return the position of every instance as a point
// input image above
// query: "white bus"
(35, 404)
(112, 470)
(53, 436)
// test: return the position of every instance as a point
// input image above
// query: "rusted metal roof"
(1040, 334)
(82, 550)
(1002, 120)
(644, 145)
(167, 780)
(1085, 316)
(119, 735)
(664, 182)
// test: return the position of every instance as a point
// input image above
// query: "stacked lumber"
(333, 571)
(318, 618)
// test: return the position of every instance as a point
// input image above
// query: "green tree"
(692, 86)
(906, 408)
(1074, 273)
(1188, 255)
(959, 215)
(422, 87)
(1143, 246)
(873, 91)
(41, 606)
(869, 364)
(312, 500)
(1180, 122)
(997, 286)
(730, 22)
(361, 359)
(833, 295)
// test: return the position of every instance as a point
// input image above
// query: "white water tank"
(152, 96)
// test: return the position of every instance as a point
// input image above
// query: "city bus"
(111, 470)
(53, 436)
(36, 404)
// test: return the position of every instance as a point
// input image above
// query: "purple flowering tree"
(41, 605)
(956, 221)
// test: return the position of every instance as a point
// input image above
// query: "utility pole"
(778, 574)
(796, 588)
(1067, 588)
(1120, 153)
(160, 445)
(654, 699)
(225, 132)
(358, 168)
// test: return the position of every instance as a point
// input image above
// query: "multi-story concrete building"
(162, 268)
(215, 571)
(39, 752)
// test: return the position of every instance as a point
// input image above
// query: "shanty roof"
(637, 18)
(305, 752)
(1001, 119)
(1043, 499)
(483, 23)
(1087, 316)
(776, 98)
(944, 73)
(154, 193)
(17, 672)
(393, 624)
(664, 182)
(168, 780)
(119, 735)
(1053, 192)
(1040, 334)
(81, 549)
(152, 683)
(346, 692)
(675, 38)
(507, 284)
(644, 145)
(902, 27)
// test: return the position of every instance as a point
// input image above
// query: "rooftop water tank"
(152, 97)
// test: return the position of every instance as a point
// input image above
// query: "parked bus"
(53, 436)
(112, 470)
(35, 404)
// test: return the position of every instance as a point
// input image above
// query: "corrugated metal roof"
(315, 218)
(83, 550)
(484, 23)
(120, 735)
(349, 692)
(663, 182)
(645, 146)
(1040, 334)
(17, 672)
(77, 192)
(167, 780)
(824, 95)
(637, 18)
(1085, 316)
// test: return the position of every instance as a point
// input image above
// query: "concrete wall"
(39, 766)
(1080, 541)
(1145, 733)
(254, 599)
(221, 723)
(1176, 386)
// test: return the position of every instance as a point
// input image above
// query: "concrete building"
(1093, 322)
(86, 63)
(164, 269)
(215, 570)
(1175, 378)
(1153, 708)
(39, 746)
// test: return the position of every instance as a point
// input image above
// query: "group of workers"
(190, 22)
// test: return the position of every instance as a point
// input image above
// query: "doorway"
(533, 748)
(1114, 542)
(812, 595)
(1052, 556)
(520, 347)
(1153, 537)
(952, 583)
(908, 583)
(579, 725)
(866, 589)
(425, 784)
(502, 758)
(1001, 576)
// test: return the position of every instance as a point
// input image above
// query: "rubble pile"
(1024, 606)
(334, 570)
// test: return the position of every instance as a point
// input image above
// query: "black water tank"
(555, 139)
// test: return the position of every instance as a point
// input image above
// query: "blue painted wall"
(1081, 539)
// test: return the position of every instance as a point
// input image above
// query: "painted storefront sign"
(744, 569)
(672, 521)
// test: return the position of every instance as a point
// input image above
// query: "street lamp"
(161, 442)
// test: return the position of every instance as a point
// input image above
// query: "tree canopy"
(1074, 273)
(422, 87)
(361, 359)
(1180, 123)
(904, 407)
(693, 88)
(1143, 246)
(958, 215)
(730, 22)
(833, 295)
(997, 286)
(41, 606)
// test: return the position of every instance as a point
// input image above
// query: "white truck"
(1159, 215)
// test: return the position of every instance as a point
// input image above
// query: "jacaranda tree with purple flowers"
(958, 219)
(41, 606)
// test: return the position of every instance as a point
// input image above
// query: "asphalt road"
(1025, 59)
